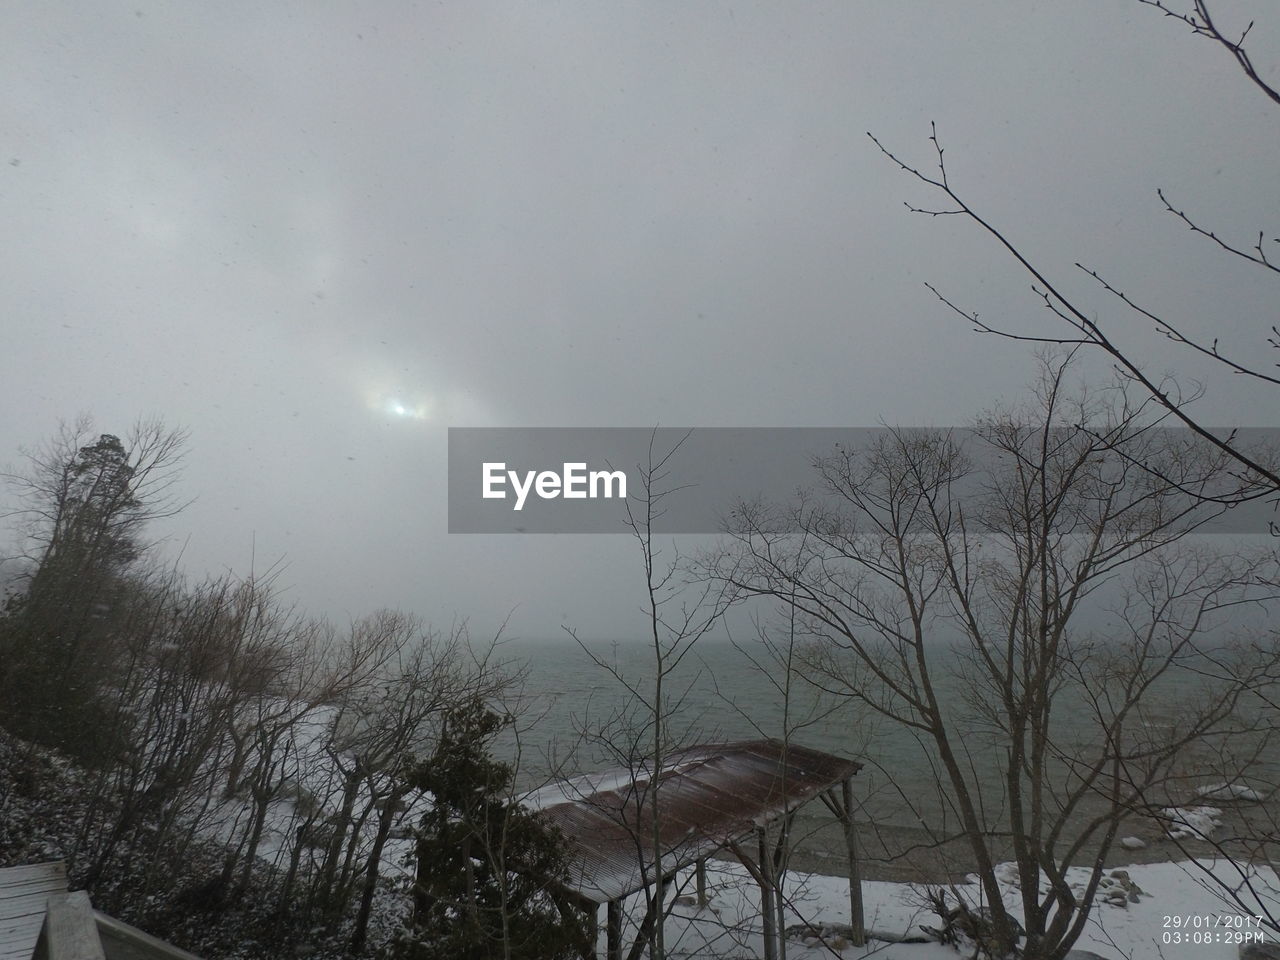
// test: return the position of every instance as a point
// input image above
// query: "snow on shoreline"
(1191, 823)
(1176, 898)
(1230, 791)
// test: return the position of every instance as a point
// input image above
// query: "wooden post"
(69, 929)
(768, 912)
(857, 923)
(700, 871)
(613, 930)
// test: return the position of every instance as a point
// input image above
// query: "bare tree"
(1202, 24)
(1047, 735)
(190, 662)
(1082, 323)
(1237, 858)
(776, 653)
(433, 677)
(277, 677)
(641, 734)
(1216, 343)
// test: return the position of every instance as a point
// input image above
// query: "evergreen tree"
(87, 502)
(91, 541)
(489, 871)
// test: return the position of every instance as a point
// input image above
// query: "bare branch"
(1201, 23)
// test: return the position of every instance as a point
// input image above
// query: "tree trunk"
(371, 874)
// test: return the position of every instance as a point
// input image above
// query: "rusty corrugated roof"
(708, 795)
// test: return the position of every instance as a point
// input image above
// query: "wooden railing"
(69, 930)
(73, 930)
(123, 942)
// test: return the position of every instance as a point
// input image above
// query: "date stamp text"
(1206, 928)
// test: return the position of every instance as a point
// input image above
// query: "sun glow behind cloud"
(400, 406)
(398, 391)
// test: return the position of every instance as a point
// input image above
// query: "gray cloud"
(272, 223)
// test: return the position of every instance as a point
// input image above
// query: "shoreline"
(909, 855)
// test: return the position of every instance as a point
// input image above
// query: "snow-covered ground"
(1175, 899)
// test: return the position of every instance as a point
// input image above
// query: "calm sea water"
(579, 714)
(715, 694)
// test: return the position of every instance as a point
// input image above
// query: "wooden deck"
(39, 919)
(24, 898)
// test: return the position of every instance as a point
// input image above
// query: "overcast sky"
(277, 224)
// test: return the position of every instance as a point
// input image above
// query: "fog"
(317, 236)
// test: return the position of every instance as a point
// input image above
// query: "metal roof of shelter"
(710, 795)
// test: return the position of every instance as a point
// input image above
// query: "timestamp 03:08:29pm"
(1206, 928)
